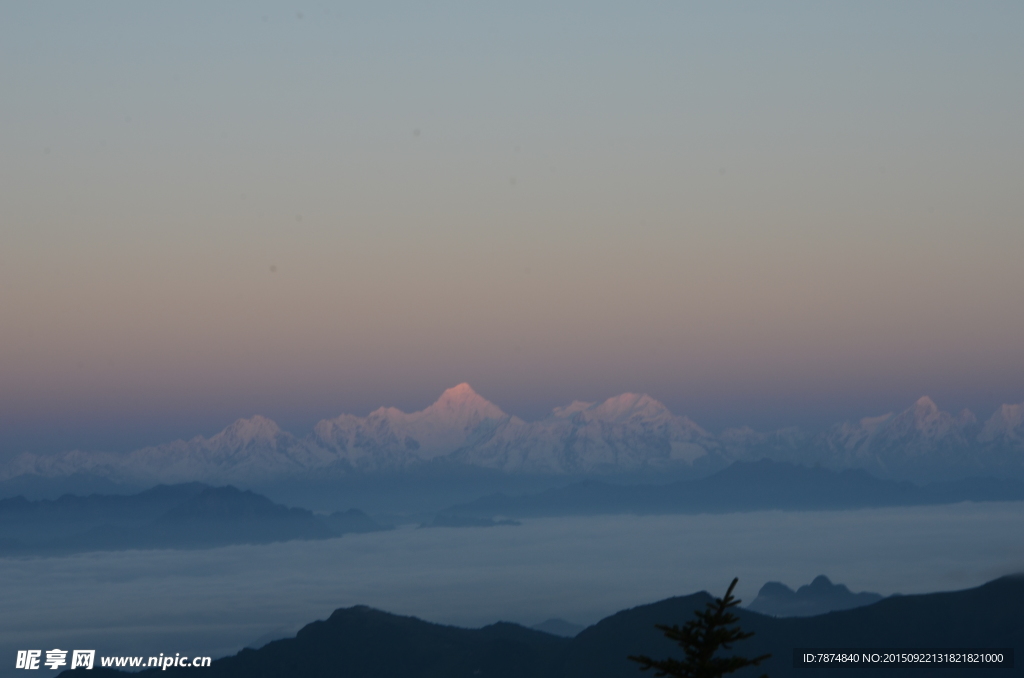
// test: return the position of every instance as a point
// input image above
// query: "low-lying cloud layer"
(580, 569)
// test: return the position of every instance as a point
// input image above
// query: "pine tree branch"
(712, 629)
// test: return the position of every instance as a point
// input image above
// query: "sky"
(793, 213)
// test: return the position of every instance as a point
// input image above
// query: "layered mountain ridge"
(626, 433)
(362, 642)
(184, 516)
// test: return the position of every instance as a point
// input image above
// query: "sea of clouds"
(213, 602)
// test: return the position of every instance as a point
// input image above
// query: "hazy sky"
(783, 213)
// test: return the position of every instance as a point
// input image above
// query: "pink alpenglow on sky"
(758, 215)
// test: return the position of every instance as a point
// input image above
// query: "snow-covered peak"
(966, 418)
(629, 405)
(1013, 413)
(925, 407)
(1006, 423)
(389, 413)
(927, 416)
(243, 432)
(924, 417)
(571, 409)
(460, 403)
(871, 424)
(922, 426)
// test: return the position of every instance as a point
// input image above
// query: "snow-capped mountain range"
(626, 433)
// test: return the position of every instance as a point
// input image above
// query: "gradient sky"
(785, 213)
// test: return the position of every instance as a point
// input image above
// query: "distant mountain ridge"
(743, 486)
(626, 433)
(190, 515)
(558, 627)
(819, 597)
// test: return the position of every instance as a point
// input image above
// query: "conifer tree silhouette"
(711, 630)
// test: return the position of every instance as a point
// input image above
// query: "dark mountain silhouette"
(360, 642)
(743, 486)
(190, 515)
(988, 616)
(818, 597)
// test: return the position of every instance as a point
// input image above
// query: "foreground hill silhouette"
(360, 642)
(190, 515)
